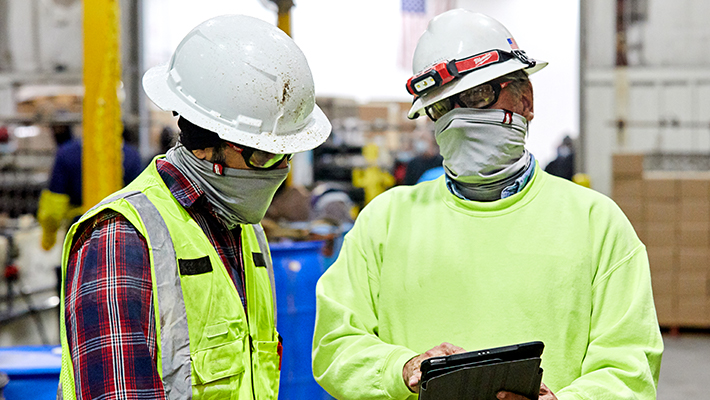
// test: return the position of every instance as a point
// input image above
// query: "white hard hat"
(245, 80)
(461, 34)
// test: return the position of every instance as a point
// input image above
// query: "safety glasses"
(446, 71)
(259, 159)
(481, 96)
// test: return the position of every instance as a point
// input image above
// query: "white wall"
(677, 33)
(669, 80)
(601, 33)
(44, 34)
(352, 49)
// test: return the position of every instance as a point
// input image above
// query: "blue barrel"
(33, 371)
(297, 267)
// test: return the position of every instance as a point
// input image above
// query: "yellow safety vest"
(225, 353)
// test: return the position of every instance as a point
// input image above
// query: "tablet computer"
(482, 373)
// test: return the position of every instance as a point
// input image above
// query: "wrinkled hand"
(545, 394)
(411, 373)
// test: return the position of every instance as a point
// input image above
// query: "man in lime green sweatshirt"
(493, 253)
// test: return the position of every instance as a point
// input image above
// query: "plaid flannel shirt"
(110, 320)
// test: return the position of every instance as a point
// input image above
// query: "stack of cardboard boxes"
(671, 214)
(694, 251)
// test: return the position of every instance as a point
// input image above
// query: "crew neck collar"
(497, 207)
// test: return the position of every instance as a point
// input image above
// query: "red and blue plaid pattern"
(110, 321)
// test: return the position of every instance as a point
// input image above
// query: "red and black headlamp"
(438, 75)
(446, 71)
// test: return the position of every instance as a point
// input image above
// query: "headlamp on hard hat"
(438, 75)
(446, 71)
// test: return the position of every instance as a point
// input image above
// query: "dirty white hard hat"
(245, 80)
(459, 34)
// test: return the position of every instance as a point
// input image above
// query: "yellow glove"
(52, 210)
(48, 239)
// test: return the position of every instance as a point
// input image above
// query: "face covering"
(240, 196)
(482, 146)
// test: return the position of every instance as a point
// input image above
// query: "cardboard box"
(694, 210)
(662, 259)
(666, 309)
(660, 188)
(694, 234)
(693, 312)
(338, 108)
(693, 283)
(696, 188)
(660, 234)
(632, 207)
(641, 231)
(627, 188)
(664, 283)
(406, 124)
(660, 211)
(627, 165)
(374, 112)
(693, 258)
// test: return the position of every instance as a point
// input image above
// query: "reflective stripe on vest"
(174, 336)
(264, 247)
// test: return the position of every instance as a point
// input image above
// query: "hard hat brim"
(468, 81)
(315, 131)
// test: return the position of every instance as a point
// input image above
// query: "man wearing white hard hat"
(168, 283)
(496, 252)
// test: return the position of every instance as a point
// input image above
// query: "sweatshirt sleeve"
(350, 361)
(624, 352)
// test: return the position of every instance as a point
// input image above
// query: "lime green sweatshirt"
(556, 262)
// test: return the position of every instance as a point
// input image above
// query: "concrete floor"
(685, 369)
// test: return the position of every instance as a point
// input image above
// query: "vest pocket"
(218, 362)
(266, 370)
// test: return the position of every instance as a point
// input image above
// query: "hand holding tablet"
(481, 374)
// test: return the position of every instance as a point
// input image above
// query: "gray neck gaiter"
(240, 196)
(484, 150)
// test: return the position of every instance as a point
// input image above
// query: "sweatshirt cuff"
(392, 373)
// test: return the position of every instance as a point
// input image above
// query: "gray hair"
(519, 80)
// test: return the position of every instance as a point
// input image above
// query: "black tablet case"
(483, 382)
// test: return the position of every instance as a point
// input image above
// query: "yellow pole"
(284, 17)
(102, 158)
(283, 22)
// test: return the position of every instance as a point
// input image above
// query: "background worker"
(62, 201)
(563, 164)
(168, 283)
(427, 158)
(496, 252)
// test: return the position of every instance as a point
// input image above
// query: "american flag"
(415, 17)
(513, 44)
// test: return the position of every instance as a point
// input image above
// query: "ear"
(203, 154)
(526, 100)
